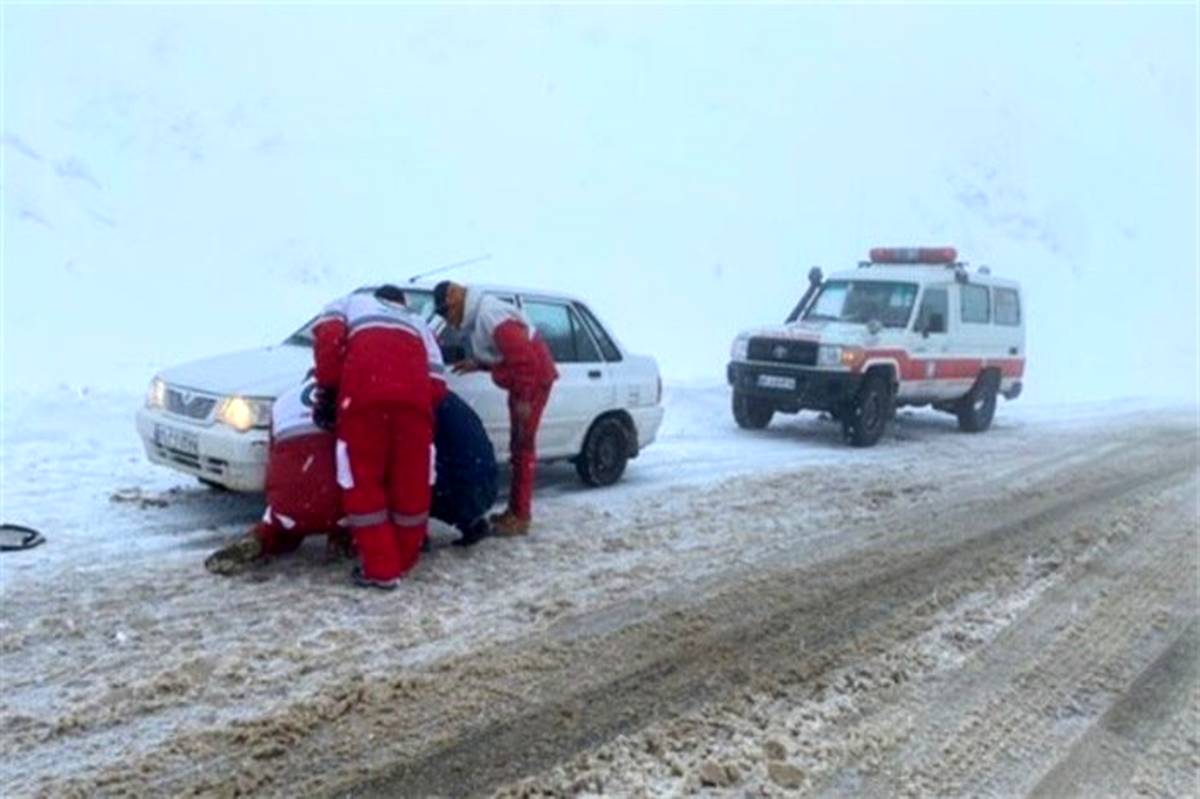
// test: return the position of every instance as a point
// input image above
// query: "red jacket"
(303, 496)
(371, 351)
(525, 358)
(506, 342)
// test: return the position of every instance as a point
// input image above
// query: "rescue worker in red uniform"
(504, 342)
(380, 375)
(303, 497)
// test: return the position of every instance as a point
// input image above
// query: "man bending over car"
(505, 343)
(303, 496)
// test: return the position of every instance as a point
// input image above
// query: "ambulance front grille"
(799, 353)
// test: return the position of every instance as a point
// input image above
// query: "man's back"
(464, 452)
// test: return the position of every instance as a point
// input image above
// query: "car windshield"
(863, 301)
(419, 300)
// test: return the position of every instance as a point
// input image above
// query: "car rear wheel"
(976, 410)
(752, 413)
(867, 417)
(605, 453)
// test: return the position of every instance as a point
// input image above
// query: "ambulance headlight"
(242, 413)
(741, 349)
(845, 357)
(156, 395)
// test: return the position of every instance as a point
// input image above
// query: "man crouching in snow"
(303, 496)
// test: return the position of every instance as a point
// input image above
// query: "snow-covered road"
(128, 668)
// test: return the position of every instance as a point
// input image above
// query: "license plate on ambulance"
(178, 440)
(777, 382)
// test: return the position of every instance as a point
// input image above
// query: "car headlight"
(156, 395)
(741, 349)
(848, 357)
(244, 414)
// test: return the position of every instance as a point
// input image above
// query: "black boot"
(474, 532)
(235, 558)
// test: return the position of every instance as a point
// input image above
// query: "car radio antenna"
(448, 267)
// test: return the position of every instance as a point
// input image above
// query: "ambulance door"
(973, 339)
(930, 340)
(1009, 333)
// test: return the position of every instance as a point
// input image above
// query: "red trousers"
(383, 454)
(303, 497)
(525, 408)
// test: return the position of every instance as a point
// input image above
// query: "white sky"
(182, 181)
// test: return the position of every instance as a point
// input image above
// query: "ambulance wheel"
(867, 417)
(605, 453)
(976, 410)
(752, 413)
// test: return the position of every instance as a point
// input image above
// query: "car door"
(584, 388)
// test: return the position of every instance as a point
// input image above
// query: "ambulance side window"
(1008, 307)
(935, 306)
(976, 304)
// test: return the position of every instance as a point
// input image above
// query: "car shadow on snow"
(909, 425)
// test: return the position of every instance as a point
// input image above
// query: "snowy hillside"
(179, 182)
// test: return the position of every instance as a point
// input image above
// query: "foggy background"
(178, 182)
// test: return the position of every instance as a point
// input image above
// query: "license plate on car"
(777, 381)
(178, 440)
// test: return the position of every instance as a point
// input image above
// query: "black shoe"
(475, 532)
(367, 582)
(235, 558)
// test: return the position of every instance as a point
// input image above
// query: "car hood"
(824, 332)
(265, 372)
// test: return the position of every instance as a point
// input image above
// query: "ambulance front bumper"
(794, 388)
(214, 453)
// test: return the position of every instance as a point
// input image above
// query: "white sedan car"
(210, 418)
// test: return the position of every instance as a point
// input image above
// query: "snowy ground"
(635, 643)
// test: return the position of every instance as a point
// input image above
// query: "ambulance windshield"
(863, 301)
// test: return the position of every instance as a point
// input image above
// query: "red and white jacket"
(372, 351)
(302, 491)
(506, 342)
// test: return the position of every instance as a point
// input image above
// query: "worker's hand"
(324, 412)
(466, 367)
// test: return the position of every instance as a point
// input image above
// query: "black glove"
(325, 409)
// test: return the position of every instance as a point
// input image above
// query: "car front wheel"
(605, 453)
(866, 419)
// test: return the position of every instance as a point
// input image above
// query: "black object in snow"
(15, 537)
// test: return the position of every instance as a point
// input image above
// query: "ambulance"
(911, 326)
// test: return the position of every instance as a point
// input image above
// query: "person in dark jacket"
(466, 471)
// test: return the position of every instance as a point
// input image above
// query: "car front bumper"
(794, 388)
(222, 455)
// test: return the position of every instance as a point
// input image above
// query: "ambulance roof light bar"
(947, 256)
